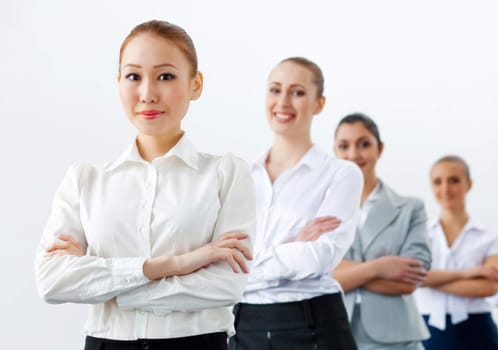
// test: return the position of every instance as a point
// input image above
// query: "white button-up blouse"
(470, 249)
(129, 210)
(319, 185)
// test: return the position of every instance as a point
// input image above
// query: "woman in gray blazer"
(390, 254)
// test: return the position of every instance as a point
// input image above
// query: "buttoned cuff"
(127, 273)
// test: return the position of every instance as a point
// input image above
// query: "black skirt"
(314, 324)
(212, 341)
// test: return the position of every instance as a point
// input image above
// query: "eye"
(453, 180)
(133, 77)
(342, 146)
(167, 76)
(274, 90)
(436, 182)
(365, 144)
(298, 93)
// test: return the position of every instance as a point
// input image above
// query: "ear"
(320, 105)
(198, 83)
(470, 185)
(381, 148)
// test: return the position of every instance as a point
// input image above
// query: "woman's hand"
(227, 248)
(400, 268)
(489, 272)
(318, 227)
(66, 245)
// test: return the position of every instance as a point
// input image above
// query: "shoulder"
(343, 169)
(225, 163)
(409, 202)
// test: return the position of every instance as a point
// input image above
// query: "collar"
(470, 225)
(374, 195)
(183, 150)
(312, 158)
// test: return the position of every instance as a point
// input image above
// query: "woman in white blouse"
(464, 267)
(157, 240)
(307, 204)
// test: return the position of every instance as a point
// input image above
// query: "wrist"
(372, 269)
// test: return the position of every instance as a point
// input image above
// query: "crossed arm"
(392, 274)
(479, 281)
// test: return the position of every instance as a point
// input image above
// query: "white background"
(426, 71)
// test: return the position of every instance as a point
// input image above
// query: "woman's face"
(356, 143)
(450, 184)
(291, 100)
(156, 85)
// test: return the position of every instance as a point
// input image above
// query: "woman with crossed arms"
(306, 206)
(464, 269)
(155, 241)
(390, 254)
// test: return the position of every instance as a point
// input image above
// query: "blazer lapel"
(383, 212)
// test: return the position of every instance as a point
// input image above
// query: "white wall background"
(426, 71)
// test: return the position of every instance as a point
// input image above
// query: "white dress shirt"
(129, 210)
(473, 245)
(318, 185)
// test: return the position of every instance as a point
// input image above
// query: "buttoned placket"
(272, 192)
(144, 223)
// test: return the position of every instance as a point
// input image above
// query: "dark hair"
(167, 31)
(364, 119)
(313, 68)
(454, 159)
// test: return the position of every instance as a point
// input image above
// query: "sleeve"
(215, 285)
(493, 247)
(86, 279)
(417, 244)
(302, 260)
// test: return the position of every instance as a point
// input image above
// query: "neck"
(454, 217)
(287, 152)
(151, 147)
(368, 186)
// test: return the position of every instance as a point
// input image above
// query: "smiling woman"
(464, 270)
(157, 240)
(307, 202)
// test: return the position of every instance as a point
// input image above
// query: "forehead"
(353, 131)
(150, 48)
(448, 168)
(289, 73)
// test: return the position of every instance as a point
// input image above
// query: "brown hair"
(167, 31)
(313, 68)
(455, 159)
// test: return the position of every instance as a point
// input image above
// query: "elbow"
(46, 285)
(47, 292)
(406, 289)
(490, 290)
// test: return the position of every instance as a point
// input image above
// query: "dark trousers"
(316, 324)
(212, 341)
(476, 332)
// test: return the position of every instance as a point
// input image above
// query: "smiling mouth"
(283, 117)
(150, 115)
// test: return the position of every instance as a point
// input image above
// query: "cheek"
(125, 96)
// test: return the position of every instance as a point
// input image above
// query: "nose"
(283, 99)
(352, 153)
(148, 92)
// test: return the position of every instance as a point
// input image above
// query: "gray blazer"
(395, 225)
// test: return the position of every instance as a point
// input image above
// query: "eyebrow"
(163, 65)
(292, 85)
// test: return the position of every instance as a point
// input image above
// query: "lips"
(150, 114)
(283, 117)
